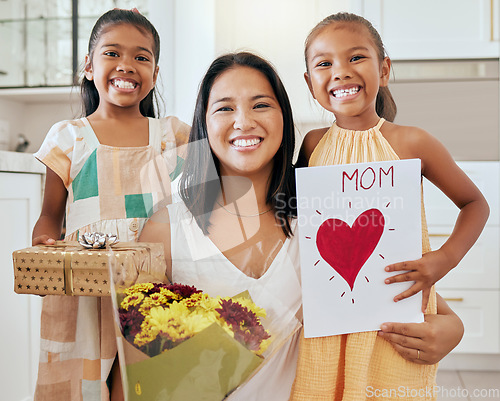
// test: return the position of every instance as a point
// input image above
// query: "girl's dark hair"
(198, 189)
(90, 96)
(385, 105)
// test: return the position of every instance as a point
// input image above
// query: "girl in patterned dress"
(347, 73)
(107, 172)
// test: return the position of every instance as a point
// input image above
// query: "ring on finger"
(418, 354)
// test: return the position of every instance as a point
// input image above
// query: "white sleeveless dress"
(197, 261)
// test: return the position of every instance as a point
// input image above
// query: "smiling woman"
(229, 235)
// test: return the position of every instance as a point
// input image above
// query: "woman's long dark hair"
(90, 96)
(385, 105)
(198, 188)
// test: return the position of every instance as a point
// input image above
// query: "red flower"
(244, 323)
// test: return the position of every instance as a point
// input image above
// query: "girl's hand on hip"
(424, 272)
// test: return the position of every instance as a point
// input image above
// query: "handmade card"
(354, 220)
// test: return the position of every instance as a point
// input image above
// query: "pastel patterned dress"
(111, 190)
(353, 367)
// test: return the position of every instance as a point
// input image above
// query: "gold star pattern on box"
(69, 269)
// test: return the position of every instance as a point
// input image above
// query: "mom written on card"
(354, 220)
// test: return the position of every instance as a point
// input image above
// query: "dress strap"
(379, 124)
(155, 134)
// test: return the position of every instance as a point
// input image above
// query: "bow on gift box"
(97, 240)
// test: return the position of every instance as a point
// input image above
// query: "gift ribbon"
(77, 247)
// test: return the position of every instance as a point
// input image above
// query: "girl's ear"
(87, 70)
(385, 71)
(155, 75)
(309, 85)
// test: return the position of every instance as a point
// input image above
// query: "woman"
(237, 217)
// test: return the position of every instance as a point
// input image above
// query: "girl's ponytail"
(385, 105)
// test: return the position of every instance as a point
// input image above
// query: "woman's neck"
(244, 194)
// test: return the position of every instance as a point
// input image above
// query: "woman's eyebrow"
(256, 97)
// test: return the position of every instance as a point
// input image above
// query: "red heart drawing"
(345, 248)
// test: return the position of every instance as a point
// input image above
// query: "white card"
(353, 220)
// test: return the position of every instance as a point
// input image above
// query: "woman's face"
(244, 122)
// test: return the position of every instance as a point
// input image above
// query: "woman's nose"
(244, 121)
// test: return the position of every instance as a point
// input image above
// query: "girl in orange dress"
(348, 73)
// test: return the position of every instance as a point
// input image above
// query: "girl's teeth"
(241, 143)
(345, 92)
(123, 84)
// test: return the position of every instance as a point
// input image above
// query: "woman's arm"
(157, 229)
(429, 342)
(49, 225)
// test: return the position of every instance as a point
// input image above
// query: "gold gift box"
(67, 268)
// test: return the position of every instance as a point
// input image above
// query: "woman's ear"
(385, 71)
(309, 85)
(87, 70)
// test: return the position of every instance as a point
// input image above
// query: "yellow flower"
(141, 287)
(132, 300)
(169, 294)
(196, 322)
(156, 299)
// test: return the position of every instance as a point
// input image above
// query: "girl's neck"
(116, 113)
(357, 123)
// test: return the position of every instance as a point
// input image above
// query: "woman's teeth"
(123, 84)
(345, 92)
(241, 143)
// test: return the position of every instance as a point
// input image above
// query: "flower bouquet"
(176, 342)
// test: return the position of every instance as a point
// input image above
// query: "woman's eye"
(261, 106)
(225, 108)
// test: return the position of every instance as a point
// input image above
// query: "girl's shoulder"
(174, 129)
(407, 141)
(309, 143)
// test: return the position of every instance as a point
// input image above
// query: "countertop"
(16, 162)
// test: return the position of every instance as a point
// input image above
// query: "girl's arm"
(157, 229)
(439, 167)
(434, 339)
(49, 225)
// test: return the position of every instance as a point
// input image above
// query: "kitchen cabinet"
(472, 288)
(20, 203)
(430, 29)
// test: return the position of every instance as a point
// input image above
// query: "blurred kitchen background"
(445, 79)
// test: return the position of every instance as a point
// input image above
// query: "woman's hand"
(429, 342)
